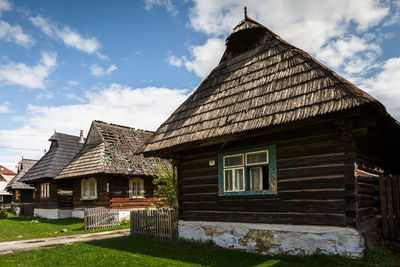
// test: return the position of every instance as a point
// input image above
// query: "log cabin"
(6, 176)
(108, 171)
(23, 195)
(276, 153)
(53, 200)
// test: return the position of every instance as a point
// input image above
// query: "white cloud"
(5, 108)
(167, 4)
(175, 61)
(204, 57)
(308, 24)
(335, 31)
(73, 83)
(4, 6)
(143, 108)
(28, 76)
(385, 86)
(72, 96)
(45, 96)
(99, 71)
(355, 53)
(14, 34)
(69, 36)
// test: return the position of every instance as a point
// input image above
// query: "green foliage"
(3, 214)
(380, 256)
(166, 188)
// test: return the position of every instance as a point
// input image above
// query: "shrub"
(378, 256)
(3, 214)
(166, 188)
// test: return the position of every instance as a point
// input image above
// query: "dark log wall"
(65, 194)
(368, 204)
(25, 196)
(102, 195)
(48, 202)
(119, 192)
(315, 172)
(118, 195)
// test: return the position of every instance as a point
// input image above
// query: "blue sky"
(64, 64)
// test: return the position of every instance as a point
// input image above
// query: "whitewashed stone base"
(277, 238)
(52, 213)
(78, 213)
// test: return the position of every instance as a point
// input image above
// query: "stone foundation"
(277, 238)
(52, 213)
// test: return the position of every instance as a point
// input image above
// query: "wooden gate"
(390, 205)
(162, 224)
(100, 218)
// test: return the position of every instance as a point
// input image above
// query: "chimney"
(81, 139)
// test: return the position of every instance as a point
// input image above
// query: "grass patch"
(135, 251)
(22, 227)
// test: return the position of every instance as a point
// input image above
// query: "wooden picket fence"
(390, 205)
(100, 218)
(162, 224)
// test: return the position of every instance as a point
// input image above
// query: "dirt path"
(20, 245)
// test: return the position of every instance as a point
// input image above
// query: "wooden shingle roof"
(261, 81)
(62, 150)
(23, 166)
(113, 149)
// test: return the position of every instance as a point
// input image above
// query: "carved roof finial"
(245, 12)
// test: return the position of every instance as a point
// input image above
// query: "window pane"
(239, 179)
(256, 179)
(228, 180)
(140, 189)
(257, 157)
(92, 189)
(235, 160)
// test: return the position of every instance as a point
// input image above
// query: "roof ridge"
(122, 126)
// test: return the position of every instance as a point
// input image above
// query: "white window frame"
(234, 179)
(86, 183)
(256, 152)
(132, 183)
(45, 190)
(231, 156)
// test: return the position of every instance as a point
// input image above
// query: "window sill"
(89, 198)
(249, 193)
(136, 197)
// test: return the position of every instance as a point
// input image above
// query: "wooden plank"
(385, 223)
(390, 214)
(265, 217)
(396, 205)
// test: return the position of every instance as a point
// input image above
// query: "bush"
(377, 257)
(3, 214)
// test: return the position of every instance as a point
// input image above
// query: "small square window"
(248, 172)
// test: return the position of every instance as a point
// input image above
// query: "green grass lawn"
(135, 251)
(21, 227)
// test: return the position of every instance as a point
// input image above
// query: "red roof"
(5, 171)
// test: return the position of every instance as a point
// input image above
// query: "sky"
(66, 63)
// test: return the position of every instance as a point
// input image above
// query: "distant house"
(53, 200)
(276, 153)
(23, 195)
(6, 176)
(109, 172)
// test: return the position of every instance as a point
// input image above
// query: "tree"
(166, 188)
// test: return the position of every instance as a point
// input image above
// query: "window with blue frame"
(248, 172)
